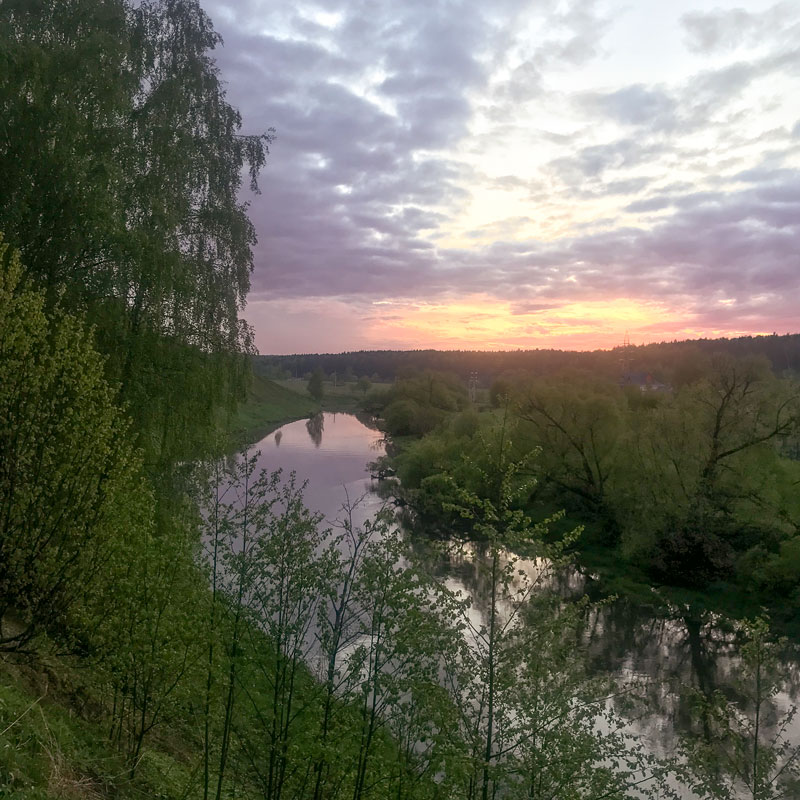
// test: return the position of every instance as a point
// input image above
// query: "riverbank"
(267, 407)
(270, 404)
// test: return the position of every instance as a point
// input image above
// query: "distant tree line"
(668, 362)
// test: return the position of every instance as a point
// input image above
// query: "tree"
(578, 423)
(745, 745)
(706, 483)
(315, 386)
(69, 474)
(528, 708)
(148, 611)
(499, 392)
(288, 585)
(233, 500)
(122, 162)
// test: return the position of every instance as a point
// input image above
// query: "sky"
(506, 174)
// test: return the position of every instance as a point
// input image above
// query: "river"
(669, 653)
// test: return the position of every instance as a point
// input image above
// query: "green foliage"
(705, 482)
(527, 706)
(499, 392)
(288, 595)
(689, 487)
(743, 746)
(779, 571)
(68, 472)
(267, 405)
(122, 163)
(416, 404)
(578, 422)
(406, 417)
(315, 387)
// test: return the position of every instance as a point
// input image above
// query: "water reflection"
(315, 426)
(330, 453)
(668, 652)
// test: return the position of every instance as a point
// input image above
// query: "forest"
(668, 362)
(690, 485)
(175, 623)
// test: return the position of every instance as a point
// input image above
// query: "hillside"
(268, 406)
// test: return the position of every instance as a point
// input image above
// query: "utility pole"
(625, 360)
(473, 386)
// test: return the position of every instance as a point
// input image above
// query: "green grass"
(269, 405)
(344, 396)
(53, 743)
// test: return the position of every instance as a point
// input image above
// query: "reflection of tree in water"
(367, 420)
(278, 437)
(791, 657)
(666, 653)
(315, 426)
(681, 655)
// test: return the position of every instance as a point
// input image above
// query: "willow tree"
(122, 164)
(191, 258)
(66, 88)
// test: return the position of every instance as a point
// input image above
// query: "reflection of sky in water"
(334, 468)
(623, 639)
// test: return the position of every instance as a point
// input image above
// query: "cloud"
(728, 29)
(522, 309)
(636, 105)
(433, 150)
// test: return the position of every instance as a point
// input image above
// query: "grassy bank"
(54, 744)
(271, 404)
(268, 406)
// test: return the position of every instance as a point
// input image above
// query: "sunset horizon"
(517, 176)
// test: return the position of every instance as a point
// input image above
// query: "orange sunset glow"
(480, 322)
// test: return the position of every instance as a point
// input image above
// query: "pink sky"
(503, 175)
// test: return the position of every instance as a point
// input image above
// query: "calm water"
(331, 452)
(670, 653)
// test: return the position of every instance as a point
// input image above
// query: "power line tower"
(473, 387)
(626, 356)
